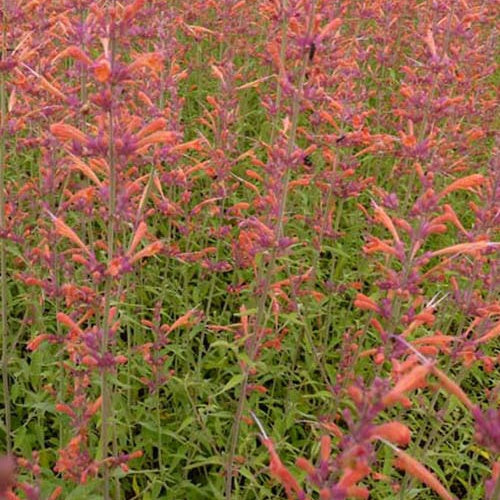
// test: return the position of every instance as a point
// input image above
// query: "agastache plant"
(3, 267)
(102, 155)
(249, 249)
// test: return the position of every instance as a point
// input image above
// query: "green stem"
(106, 388)
(3, 262)
(158, 423)
(266, 272)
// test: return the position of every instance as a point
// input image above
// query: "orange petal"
(67, 321)
(102, 70)
(494, 332)
(183, 320)
(395, 432)
(468, 182)
(148, 251)
(66, 132)
(452, 388)
(139, 234)
(418, 471)
(410, 381)
(463, 248)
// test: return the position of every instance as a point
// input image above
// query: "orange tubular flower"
(381, 216)
(418, 471)
(66, 132)
(464, 248)
(377, 245)
(34, 344)
(148, 251)
(156, 138)
(468, 182)
(365, 303)
(64, 230)
(410, 381)
(102, 70)
(490, 335)
(395, 432)
(452, 388)
(280, 472)
(351, 476)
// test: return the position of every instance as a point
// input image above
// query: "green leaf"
(235, 381)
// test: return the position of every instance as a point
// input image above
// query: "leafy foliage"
(249, 250)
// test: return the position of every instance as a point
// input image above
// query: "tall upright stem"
(266, 272)
(3, 264)
(105, 384)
